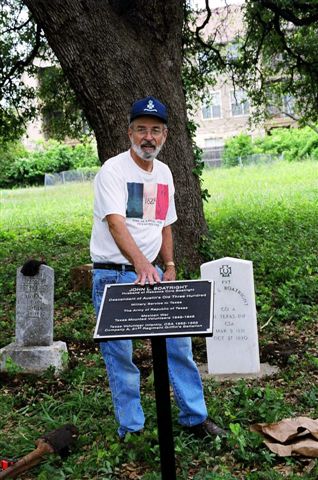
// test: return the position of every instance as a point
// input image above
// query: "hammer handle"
(28, 461)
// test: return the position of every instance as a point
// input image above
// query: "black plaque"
(166, 309)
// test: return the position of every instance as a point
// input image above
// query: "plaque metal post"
(118, 318)
(162, 391)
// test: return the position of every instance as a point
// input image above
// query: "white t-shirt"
(145, 199)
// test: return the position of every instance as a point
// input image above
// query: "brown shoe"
(207, 428)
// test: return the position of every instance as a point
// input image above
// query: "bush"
(239, 146)
(24, 168)
(295, 144)
(9, 153)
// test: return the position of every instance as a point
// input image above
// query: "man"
(133, 212)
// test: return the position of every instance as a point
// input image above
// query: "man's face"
(147, 135)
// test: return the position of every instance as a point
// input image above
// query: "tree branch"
(19, 66)
(297, 119)
(205, 45)
(289, 15)
(300, 60)
(207, 19)
(16, 28)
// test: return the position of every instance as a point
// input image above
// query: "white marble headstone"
(234, 345)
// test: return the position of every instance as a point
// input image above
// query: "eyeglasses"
(154, 131)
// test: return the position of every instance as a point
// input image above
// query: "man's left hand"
(169, 274)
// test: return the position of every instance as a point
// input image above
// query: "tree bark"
(114, 52)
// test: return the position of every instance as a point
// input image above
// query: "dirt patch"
(278, 352)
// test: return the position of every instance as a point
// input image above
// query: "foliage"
(239, 146)
(272, 57)
(205, 53)
(21, 41)
(61, 113)
(275, 228)
(196, 85)
(293, 144)
(23, 48)
(197, 78)
(280, 46)
(9, 152)
(266, 214)
(198, 161)
(29, 168)
(274, 60)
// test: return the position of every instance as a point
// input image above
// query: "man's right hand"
(146, 272)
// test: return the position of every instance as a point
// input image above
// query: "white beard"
(148, 156)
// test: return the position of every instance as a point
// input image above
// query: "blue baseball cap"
(149, 106)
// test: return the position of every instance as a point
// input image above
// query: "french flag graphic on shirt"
(147, 200)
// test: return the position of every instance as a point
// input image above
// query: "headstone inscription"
(34, 350)
(234, 347)
(34, 308)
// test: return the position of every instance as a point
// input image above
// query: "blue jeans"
(124, 376)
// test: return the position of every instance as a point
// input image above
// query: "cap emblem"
(150, 107)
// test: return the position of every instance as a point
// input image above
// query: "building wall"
(33, 132)
(212, 133)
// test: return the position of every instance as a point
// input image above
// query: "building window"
(280, 105)
(232, 51)
(214, 142)
(274, 106)
(239, 103)
(213, 108)
(212, 151)
(288, 104)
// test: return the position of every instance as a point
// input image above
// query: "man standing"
(133, 212)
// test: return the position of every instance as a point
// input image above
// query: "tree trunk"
(114, 52)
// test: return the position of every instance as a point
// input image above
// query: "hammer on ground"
(58, 441)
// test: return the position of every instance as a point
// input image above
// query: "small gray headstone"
(34, 350)
(34, 308)
(234, 345)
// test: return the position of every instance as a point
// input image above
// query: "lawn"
(267, 214)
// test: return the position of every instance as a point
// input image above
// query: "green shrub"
(310, 147)
(28, 168)
(239, 146)
(294, 144)
(9, 153)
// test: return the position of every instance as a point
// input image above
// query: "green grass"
(267, 214)
(42, 207)
(52, 224)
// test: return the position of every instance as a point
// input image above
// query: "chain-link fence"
(51, 179)
(215, 160)
(258, 159)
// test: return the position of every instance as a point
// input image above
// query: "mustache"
(148, 144)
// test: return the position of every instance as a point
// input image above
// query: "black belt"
(114, 266)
